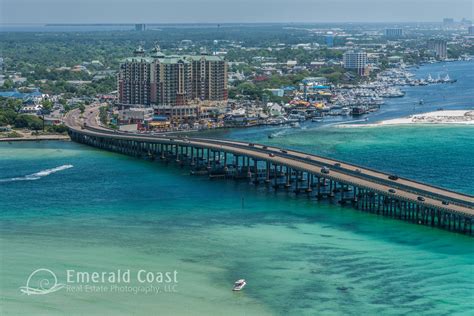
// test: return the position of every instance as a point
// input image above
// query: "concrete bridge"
(302, 173)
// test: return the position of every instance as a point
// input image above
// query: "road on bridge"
(344, 172)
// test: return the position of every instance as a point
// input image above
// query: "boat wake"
(38, 175)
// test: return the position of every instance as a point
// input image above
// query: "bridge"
(316, 176)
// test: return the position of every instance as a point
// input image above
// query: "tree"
(82, 108)
(28, 121)
(8, 84)
(47, 106)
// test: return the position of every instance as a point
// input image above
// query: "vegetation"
(28, 121)
(10, 115)
(57, 129)
(12, 134)
(103, 115)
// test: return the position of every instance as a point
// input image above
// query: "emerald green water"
(299, 257)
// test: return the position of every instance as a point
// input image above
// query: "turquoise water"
(299, 256)
(66, 206)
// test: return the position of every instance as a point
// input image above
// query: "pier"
(296, 172)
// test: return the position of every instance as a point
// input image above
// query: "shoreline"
(36, 138)
(442, 117)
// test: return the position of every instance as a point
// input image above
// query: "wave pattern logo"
(41, 282)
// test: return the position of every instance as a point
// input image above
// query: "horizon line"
(210, 23)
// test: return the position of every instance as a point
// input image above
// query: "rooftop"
(170, 59)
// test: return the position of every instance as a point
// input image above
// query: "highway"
(370, 179)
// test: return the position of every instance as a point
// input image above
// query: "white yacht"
(239, 285)
(345, 111)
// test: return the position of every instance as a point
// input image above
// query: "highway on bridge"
(370, 179)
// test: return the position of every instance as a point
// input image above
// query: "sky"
(222, 11)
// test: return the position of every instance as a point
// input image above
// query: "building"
(134, 79)
(140, 27)
(172, 83)
(471, 30)
(276, 92)
(448, 21)
(329, 39)
(439, 48)
(355, 60)
(393, 33)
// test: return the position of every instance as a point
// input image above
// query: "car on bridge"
(445, 202)
(358, 171)
(251, 144)
(283, 151)
(421, 199)
(337, 164)
(325, 170)
(393, 177)
(392, 190)
(271, 154)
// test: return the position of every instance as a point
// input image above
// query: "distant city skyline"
(221, 11)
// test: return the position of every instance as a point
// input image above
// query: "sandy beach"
(465, 117)
(29, 137)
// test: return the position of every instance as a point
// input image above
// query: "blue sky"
(190, 11)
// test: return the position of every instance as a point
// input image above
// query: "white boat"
(295, 125)
(345, 111)
(239, 285)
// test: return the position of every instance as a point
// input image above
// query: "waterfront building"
(355, 60)
(439, 48)
(393, 33)
(134, 79)
(170, 83)
(471, 30)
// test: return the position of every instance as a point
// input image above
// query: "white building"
(355, 60)
(439, 47)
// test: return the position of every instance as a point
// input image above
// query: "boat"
(270, 136)
(448, 80)
(295, 125)
(316, 119)
(430, 79)
(421, 102)
(345, 111)
(358, 110)
(239, 285)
